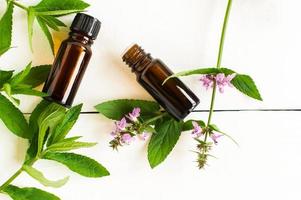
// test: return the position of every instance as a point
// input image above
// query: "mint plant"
(164, 129)
(49, 125)
(46, 13)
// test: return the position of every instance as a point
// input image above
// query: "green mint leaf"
(13, 118)
(62, 5)
(118, 108)
(36, 76)
(187, 126)
(30, 21)
(57, 12)
(194, 72)
(34, 128)
(18, 78)
(49, 22)
(69, 145)
(53, 22)
(27, 91)
(5, 76)
(65, 126)
(6, 23)
(247, 86)
(28, 193)
(214, 127)
(46, 32)
(36, 174)
(80, 164)
(48, 120)
(163, 141)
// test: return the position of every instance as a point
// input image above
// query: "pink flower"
(197, 130)
(207, 81)
(214, 137)
(222, 81)
(134, 114)
(127, 138)
(120, 125)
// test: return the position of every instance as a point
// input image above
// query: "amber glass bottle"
(72, 60)
(174, 96)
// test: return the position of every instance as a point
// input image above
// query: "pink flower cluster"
(198, 132)
(127, 129)
(221, 81)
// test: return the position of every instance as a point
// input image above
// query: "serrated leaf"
(13, 118)
(5, 76)
(65, 126)
(37, 75)
(18, 78)
(34, 128)
(36, 174)
(116, 109)
(49, 119)
(46, 32)
(247, 86)
(6, 28)
(30, 21)
(49, 22)
(161, 144)
(80, 164)
(187, 126)
(28, 91)
(193, 72)
(58, 12)
(62, 5)
(28, 193)
(69, 145)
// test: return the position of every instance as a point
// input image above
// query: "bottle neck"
(137, 59)
(80, 38)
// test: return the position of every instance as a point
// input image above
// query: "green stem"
(16, 174)
(219, 61)
(155, 118)
(20, 5)
(11, 179)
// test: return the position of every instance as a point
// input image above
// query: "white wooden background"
(263, 40)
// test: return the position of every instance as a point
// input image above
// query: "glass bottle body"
(68, 69)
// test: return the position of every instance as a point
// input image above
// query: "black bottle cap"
(86, 25)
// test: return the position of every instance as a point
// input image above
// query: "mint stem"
(20, 5)
(219, 61)
(155, 118)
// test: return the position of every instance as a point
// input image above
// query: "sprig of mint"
(166, 130)
(46, 13)
(48, 128)
(24, 83)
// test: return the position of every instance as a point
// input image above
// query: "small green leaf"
(194, 72)
(187, 126)
(18, 78)
(69, 145)
(6, 23)
(36, 174)
(246, 85)
(5, 76)
(49, 22)
(62, 5)
(46, 32)
(34, 128)
(30, 21)
(118, 108)
(57, 12)
(37, 75)
(13, 118)
(161, 144)
(80, 164)
(49, 119)
(215, 128)
(28, 91)
(53, 20)
(65, 126)
(27, 193)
